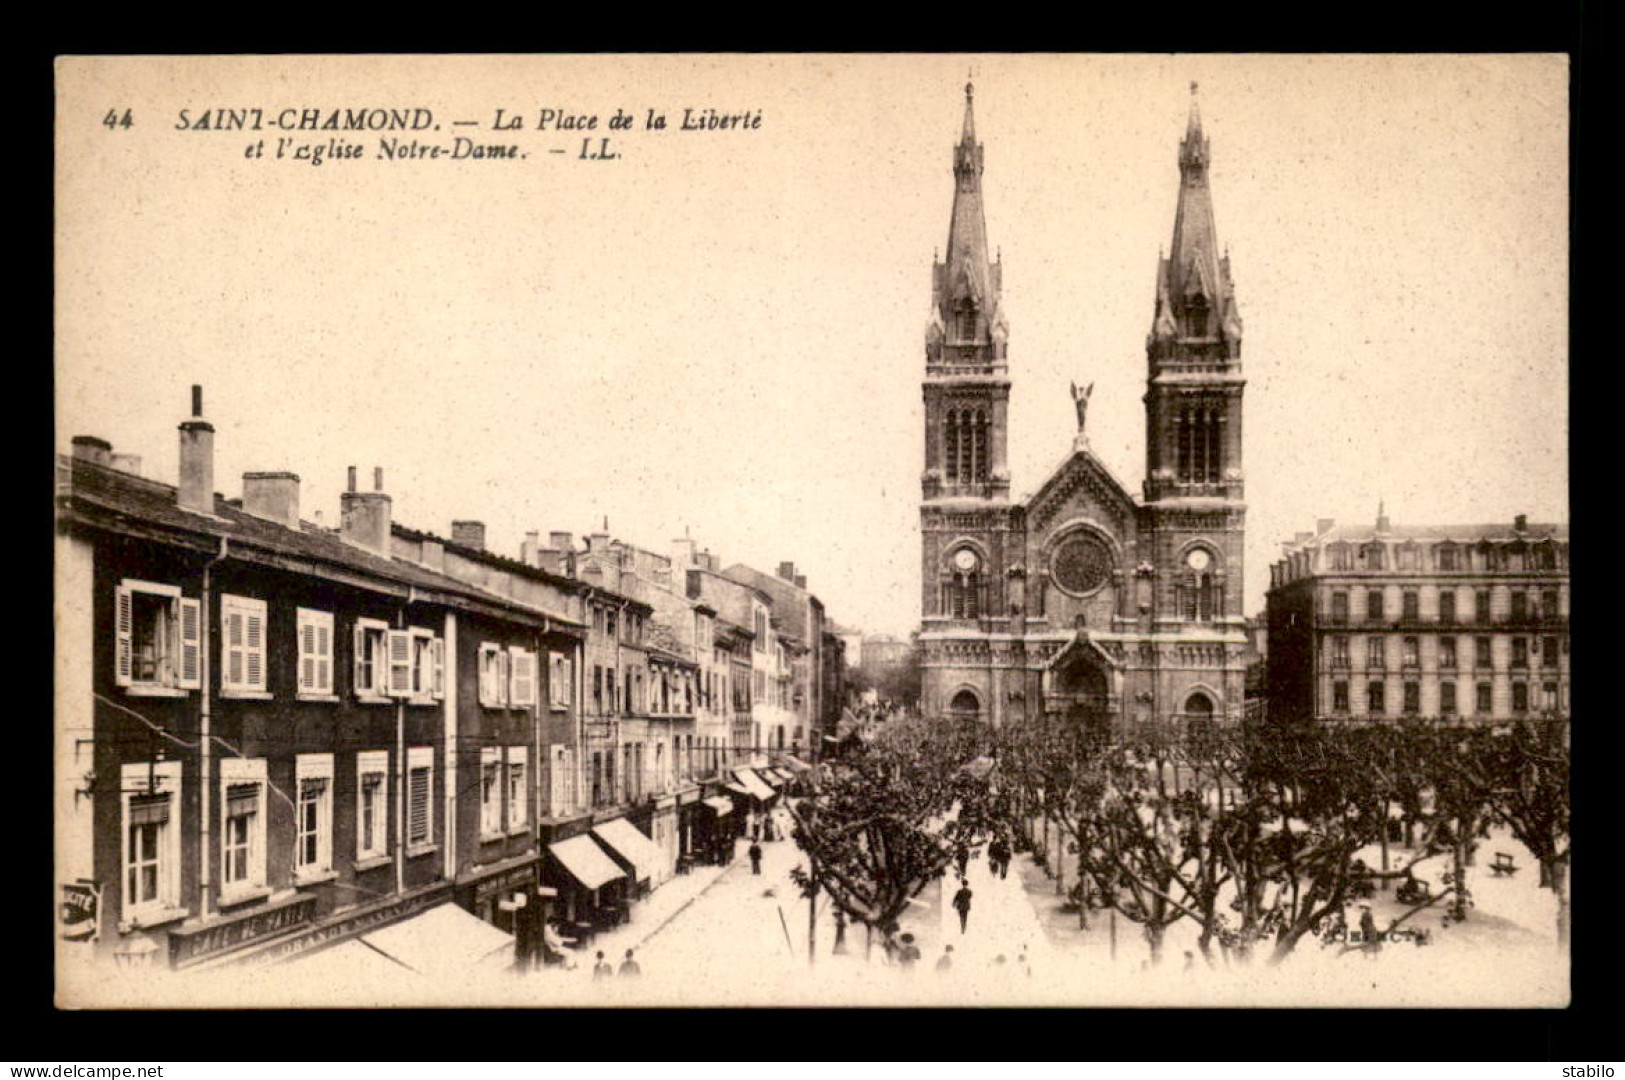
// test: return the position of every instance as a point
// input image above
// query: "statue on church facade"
(1080, 401)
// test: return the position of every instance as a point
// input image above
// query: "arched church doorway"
(965, 706)
(1198, 717)
(1084, 686)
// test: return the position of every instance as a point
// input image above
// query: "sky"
(720, 333)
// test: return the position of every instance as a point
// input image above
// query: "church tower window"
(950, 444)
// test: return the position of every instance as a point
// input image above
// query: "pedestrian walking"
(755, 827)
(755, 857)
(962, 903)
(601, 969)
(963, 858)
(947, 961)
(999, 854)
(629, 966)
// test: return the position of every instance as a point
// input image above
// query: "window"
(1340, 651)
(158, 635)
(1447, 557)
(1484, 700)
(371, 638)
(1447, 652)
(1520, 605)
(1411, 604)
(1342, 557)
(610, 628)
(518, 803)
(561, 793)
(1548, 694)
(1373, 698)
(1340, 696)
(1549, 605)
(315, 652)
(1411, 652)
(598, 778)
(1340, 607)
(1447, 698)
(1520, 652)
(1413, 698)
(372, 804)
(493, 675)
(242, 644)
(150, 794)
(1520, 697)
(242, 830)
(1407, 557)
(1374, 658)
(1447, 605)
(313, 818)
(559, 680)
(419, 796)
(598, 687)
(1481, 606)
(1548, 652)
(1481, 653)
(427, 678)
(1371, 557)
(1373, 605)
(490, 791)
(521, 677)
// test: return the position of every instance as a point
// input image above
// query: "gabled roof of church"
(1055, 487)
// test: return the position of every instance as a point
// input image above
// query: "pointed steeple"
(966, 293)
(1195, 297)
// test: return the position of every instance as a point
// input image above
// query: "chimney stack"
(561, 541)
(787, 571)
(469, 534)
(272, 495)
(801, 581)
(529, 551)
(91, 449)
(683, 552)
(196, 489)
(365, 516)
(1521, 523)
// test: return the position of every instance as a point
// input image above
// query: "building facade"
(1083, 601)
(1384, 621)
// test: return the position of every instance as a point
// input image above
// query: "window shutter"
(254, 648)
(418, 809)
(438, 659)
(307, 655)
(400, 663)
(486, 666)
(324, 656)
(232, 677)
(357, 678)
(123, 631)
(516, 676)
(191, 673)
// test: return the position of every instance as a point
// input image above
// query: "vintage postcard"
(580, 530)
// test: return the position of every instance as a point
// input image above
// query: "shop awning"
(722, 806)
(771, 776)
(738, 789)
(785, 774)
(351, 963)
(631, 844)
(586, 861)
(753, 785)
(444, 942)
(796, 764)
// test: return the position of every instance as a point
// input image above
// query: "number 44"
(113, 120)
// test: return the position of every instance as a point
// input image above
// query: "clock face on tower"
(1081, 564)
(1198, 560)
(965, 560)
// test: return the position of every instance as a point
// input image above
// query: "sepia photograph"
(613, 530)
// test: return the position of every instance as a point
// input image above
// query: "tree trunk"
(1558, 872)
(1458, 903)
(1153, 934)
(1383, 884)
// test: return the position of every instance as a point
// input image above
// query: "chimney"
(272, 495)
(598, 542)
(787, 571)
(128, 463)
(365, 515)
(682, 552)
(528, 550)
(560, 541)
(1521, 523)
(801, 581)
(91, 449)
(196, 489)
(469, 534)
(1324, 525)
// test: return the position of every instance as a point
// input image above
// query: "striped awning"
(753, 784)
(585, 861)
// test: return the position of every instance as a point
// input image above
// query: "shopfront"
(592, 889)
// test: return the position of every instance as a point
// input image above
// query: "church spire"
(965, 297)
(1195, 297)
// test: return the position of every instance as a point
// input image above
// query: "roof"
(487, 556)
(106, 498)
(1500, 532)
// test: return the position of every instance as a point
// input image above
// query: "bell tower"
(967, 389)
(1193, 398)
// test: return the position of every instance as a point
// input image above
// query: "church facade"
(1084, 602)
